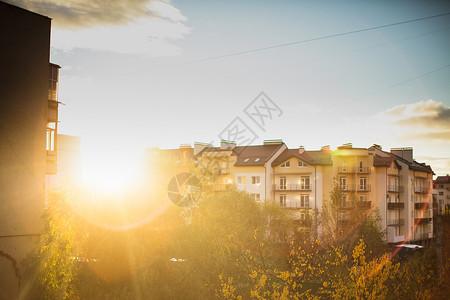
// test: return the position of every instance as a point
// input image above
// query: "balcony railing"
(396, 205)
(346, 170)
(421, 205)
(423, 221)
(363, 170)
(421, 189)
(364, 188)
(352, 170)
(395, 222)
(295, 204)
(395, 188)
(423, 236)
(291, 187)
(220, 171)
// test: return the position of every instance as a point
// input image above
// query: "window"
(283, 200)
(441, 193)
(256, 197)
(363, 183)
(256, 180)
(303, 217)
(304, 201)
(257, 159)
(51, 129)
(363, 197)
(286, 164)
(344, 166)
(342, 216)
(361, 167)
(301, 164)
(241, 180)
(282, 183)
(343, 182)
(246, 160)
(441, 186)
(304, 182)
(344, 200)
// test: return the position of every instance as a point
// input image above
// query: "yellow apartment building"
(392, 183)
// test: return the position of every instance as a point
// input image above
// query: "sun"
(110, 171)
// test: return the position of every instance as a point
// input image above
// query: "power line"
(394, 85)
(298, 42)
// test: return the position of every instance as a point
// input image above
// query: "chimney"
(325, 148)
(273, 142)
(198, 147)
(227, 145)
(347, 145)
(405, 153)
(301, 149)
(377, 146)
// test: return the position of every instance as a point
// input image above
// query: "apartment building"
(28, 129)
(392, 183)
(441, 192)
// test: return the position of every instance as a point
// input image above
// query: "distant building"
(441, 192)
(68, 168)
(301, 180)
(28, 130)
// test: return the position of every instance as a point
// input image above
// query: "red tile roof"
(309, 157)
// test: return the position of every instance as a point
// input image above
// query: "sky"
(138, 74)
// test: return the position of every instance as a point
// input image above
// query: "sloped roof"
(414, 165)
(309, 157)
(254, 155)
(442, 179)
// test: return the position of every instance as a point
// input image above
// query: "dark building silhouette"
(28, 127)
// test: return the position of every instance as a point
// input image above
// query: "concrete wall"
(24, 61)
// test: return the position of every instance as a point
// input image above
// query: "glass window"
(286, 164)
(256, 179)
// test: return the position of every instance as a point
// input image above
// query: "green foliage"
(225, 246)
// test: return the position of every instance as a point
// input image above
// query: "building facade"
(441, 192)
(391, 183)
(28, 126)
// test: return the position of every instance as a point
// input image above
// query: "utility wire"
(394, 85)
(298, 42)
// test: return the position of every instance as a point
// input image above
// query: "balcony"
(395, 188)
(395, 222)
(220, 171)
(353, 188)
(392, 238)
(423, 236)
(421, 205)
(423, 221)
(363, 170)
(348, 187)
(421, 189)
(396, 205)
(296, 204)
(346, 170)
(291, 187)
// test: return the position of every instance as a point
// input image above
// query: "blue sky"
(133, 74)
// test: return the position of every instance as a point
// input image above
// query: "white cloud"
(151, 36)
(145, 27)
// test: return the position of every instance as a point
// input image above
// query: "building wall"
(24, 60)
(68, 163)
